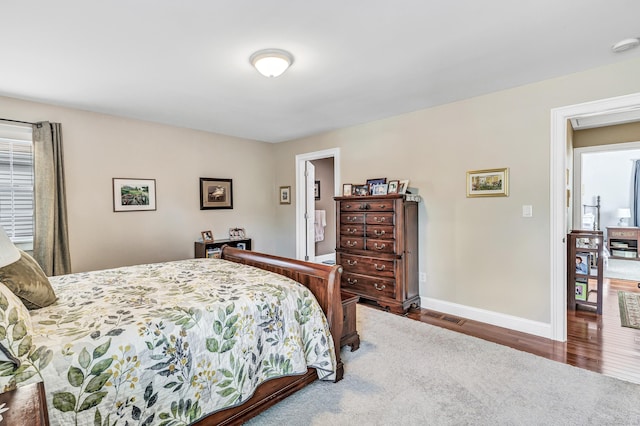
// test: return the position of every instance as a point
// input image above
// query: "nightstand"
(27, 406)
(350, 335)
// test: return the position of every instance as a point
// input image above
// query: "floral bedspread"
(167, 343)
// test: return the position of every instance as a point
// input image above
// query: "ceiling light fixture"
(271, 62)
(626, 44)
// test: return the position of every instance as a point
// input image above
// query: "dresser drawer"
(623, 233)
(352, 230)
(373, 286)
(379, 219)
(355, 243)
(380, 246)
(363, 205)
(367, 265)
(346, 218)
(381, 232)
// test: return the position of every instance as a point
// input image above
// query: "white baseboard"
(489, 317)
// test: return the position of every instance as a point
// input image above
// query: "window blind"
(16, 182)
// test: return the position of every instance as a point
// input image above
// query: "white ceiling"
(186, 63)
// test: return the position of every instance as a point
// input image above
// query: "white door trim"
(560, 159)
(300, 182)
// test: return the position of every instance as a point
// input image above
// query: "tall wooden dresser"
(377, 246)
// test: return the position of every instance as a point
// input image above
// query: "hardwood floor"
(596, 343)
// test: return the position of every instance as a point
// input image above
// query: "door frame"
(300, 192)
(561, 162)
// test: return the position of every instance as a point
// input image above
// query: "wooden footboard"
(324, 283)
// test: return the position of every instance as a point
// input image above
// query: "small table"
(27, 406)
(350, 335)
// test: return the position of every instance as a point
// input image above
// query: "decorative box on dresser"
(377, 246)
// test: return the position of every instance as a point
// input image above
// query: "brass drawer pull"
(382, 206)
(352, 282)
(379, 288)
(352, 230)
(378, 232)
(379, 219)
(351, 262)
(348, 206)
(381, 247)
(379, 268)
(352, 218)
(352, 243)
(364, 206)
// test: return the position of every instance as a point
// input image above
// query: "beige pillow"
(26, 279)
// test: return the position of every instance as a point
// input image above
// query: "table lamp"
(623, 214)
(8, 252)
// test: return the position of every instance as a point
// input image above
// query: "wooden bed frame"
(324, 283)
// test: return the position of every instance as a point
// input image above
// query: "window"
(16, 183)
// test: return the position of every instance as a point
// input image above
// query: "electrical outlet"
(423, 277)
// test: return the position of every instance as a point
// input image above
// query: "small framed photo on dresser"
(207, 236)
(347, 190)
(393, 187)
(379, 189)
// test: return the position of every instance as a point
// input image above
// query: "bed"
(197, 341)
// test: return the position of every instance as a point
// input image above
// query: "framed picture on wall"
(216, 193)
(488, 183)
(130, 195)
(285, 195)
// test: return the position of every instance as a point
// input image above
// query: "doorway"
(306, 200)
(560, 207)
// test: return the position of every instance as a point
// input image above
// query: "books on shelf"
(214, 253)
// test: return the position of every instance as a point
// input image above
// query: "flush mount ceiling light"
(626, 44)
(271, 62)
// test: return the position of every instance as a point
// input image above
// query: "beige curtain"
(51, 241)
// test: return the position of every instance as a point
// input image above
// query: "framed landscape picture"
(131, 195)
(216, 193)
(488, 183)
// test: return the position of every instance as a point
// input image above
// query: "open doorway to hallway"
(315, 211)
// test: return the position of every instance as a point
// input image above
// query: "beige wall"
(628, 132)
(99, 147)
(476, 252)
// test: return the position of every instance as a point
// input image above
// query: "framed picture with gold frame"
(488, 183)
(285, 195)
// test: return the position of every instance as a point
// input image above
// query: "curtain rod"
(18, 121)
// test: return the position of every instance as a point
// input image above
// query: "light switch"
(527, 211)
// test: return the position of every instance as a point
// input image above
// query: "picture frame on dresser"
(207, 236)
(379, 189)
(372, 182)
(393, 187)
(361, 190)
(347, 189)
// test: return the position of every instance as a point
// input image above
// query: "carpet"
(622, 269)
(410, 373)
(629, 309)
